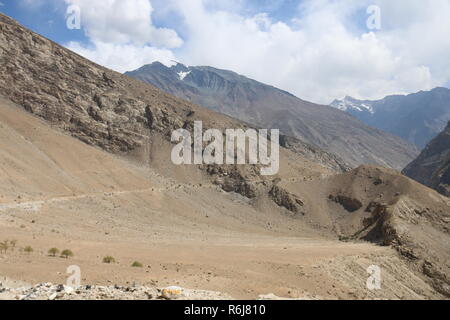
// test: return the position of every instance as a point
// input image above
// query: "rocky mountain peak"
(350, 104)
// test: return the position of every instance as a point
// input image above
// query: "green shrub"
(137, 264)
(4, 246)
(109, 259)
(53, 252)
(66, 254)
(13, 244)
(28, 249)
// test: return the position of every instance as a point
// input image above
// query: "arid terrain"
(85, 166)
(95, 204)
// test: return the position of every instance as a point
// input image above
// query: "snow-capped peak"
(351, 104)
(181, 70)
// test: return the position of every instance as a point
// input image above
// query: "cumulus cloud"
(122, 34)
(324, 53)
(122, 57)
(122, 22)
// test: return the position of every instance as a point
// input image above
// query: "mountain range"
(265, 106)
(417, 117)
(85, 164)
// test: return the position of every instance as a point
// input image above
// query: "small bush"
(66, 254)
(109, 259)
(4, 246)
(13, 243)
(28, 249)
(137, 264)
(53, 252)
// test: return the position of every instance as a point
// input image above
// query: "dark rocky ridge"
(432, 167)
(332, 130)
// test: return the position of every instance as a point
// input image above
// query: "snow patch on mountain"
(351, 104)
(183, 74)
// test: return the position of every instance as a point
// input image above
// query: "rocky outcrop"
(395, 225)
(230, 179)
(287, 200)
(400, 213)
(326, 159)
(349, 204)
(432, 167)
(48, 291)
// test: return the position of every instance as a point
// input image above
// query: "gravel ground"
(48, 291)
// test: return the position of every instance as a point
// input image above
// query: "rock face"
(417, 118)
(268, 107)
(326, 159)
(92, 103)
(349, 204)
(432, 167)
(287, 200)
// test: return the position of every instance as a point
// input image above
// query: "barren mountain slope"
(97, 105)
(262, 105)
(123, 115)
(59, 192)
(432, 167)
(382, 206)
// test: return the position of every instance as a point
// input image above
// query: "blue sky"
(317, 49)
(47, 20)
(49, 17)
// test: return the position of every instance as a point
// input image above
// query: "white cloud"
(122, 57)
(122, 34)
(321, 55)
(124, 22)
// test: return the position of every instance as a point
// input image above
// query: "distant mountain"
(432, 167)
(266, 106)
(417, 117)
